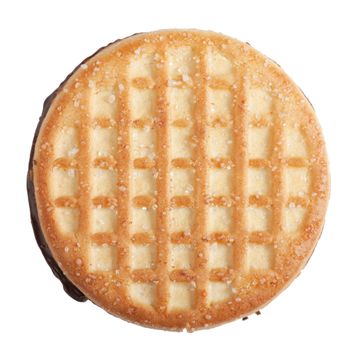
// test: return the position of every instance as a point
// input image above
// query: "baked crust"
(252, 288)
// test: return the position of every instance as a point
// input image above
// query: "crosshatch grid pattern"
(180, 180)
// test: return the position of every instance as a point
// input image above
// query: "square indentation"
(293, 219)
(219, 219)
(181, 103)
(181, 296)
(66, 143)
(67, 220)
(64, 182)
(258, 143)
(142, 220)
(102, 103)
(219, 65)
(103, 182)
(258, 181)
(142, 103)
(103, 220)
(219, 142)
(259, 256)
(141, 64)
(180, 219)
(142, 182)
(143, 143)
(181, 143)
(218, 291)
(180, 61)
(295, 145)
(220, 256)
(142, 256)
(104, 142)
(181, 182)
(143, 293)
(259, 102)
(219, 182)
(220, 103)
(257, 219)
(102, 257)
(181, 256)
(297, 181)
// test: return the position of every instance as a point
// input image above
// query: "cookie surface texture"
(181, 179)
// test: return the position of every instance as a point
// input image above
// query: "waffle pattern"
(185, 181)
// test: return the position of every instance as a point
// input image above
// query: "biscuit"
(178, 179)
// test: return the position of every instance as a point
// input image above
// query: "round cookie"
(179, 179)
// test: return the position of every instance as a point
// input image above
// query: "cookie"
(178, 179)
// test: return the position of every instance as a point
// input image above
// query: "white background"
(318, 45)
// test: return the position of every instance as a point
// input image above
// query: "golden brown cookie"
(180, 179)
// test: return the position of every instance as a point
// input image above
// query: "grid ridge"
(277, 191)
(162, 181)
(239, 160)
(200, 188)
(123, 156)
(83, 157)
